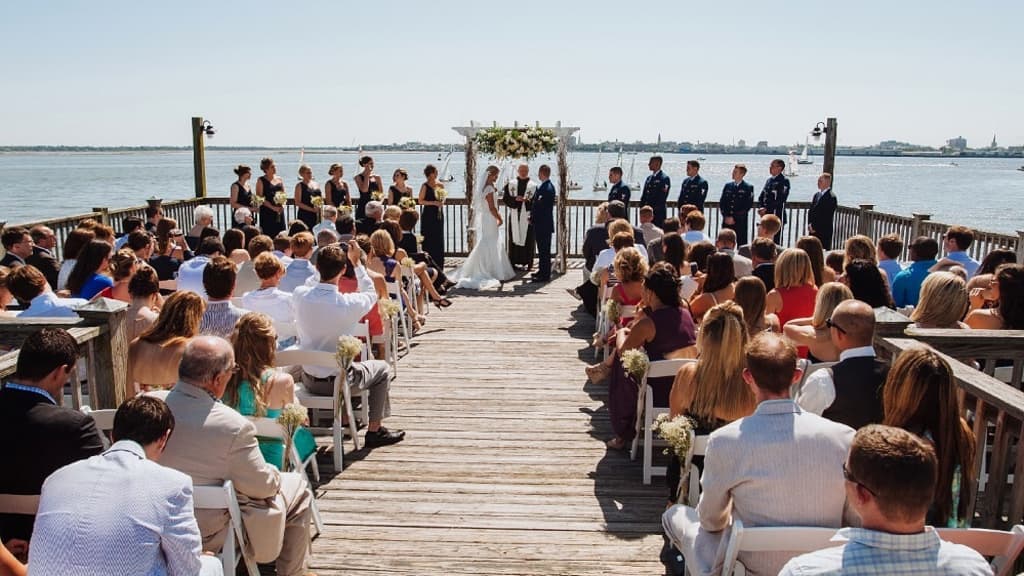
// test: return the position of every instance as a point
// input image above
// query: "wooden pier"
(504, 468)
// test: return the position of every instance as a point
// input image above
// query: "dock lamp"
(829, 128)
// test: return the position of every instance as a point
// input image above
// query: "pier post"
(831, 126)
(867, 219)
(198, 156)
(110, 359)
(104, 215)
(470, 188)
(1020, 245)
(915, 225)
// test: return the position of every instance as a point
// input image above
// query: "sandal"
(442, 303)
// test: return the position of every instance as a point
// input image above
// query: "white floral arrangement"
(280, 198)
(388, 308)
(407, 203)
(677, 433)
(344, 210)
(516, 142)
(317, 202)
(349, 348)
(259, 200)
(612, 311)
(292, 416)
(595, 276)
(441, 194)
(635, 362)
(377, 195)
(419, 240)
(408, 262)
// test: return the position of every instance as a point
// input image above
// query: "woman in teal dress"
(257, 389)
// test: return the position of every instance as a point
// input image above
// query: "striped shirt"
(220, 319)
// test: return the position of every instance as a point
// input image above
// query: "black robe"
(519, 255)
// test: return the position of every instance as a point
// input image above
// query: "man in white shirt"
(726, 244)
(29, 286)
(269, 300)
(190, 274)
(247, 280)
(328, 222)
(651, 232)
(956, 242)
(299, 269)
(607, 256)
(695, 223)
(322, 314)
(121, 512)
(850, 391)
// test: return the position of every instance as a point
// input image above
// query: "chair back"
(295, 356)
(27, 504)
(665, 368)
(224, 497)
(104, 420)
(795, 539)
(698, 447)
(808, 369)
(1002, 546)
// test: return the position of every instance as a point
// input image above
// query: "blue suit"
(620, 192)
(655, 195)
(694, 191)
(542, 216)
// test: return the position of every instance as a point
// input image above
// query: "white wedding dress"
(488, 264)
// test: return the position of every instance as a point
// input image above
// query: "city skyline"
(324, 74)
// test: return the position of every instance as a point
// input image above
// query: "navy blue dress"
(432, 228)
(306, 194)
(365, 197)
(271, 222)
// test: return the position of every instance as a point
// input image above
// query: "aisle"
(504, 469)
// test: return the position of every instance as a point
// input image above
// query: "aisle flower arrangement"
(516, 142)
(678, 433)
(349, 348)
(635, 363)
(612, 311)
(291, 417)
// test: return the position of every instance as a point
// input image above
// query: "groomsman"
(695, 188)
(542, 215)
(773, 197)
(822, 212)
(620, 190)
(656, 189)
(735, 204)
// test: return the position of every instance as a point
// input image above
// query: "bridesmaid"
(399, 189)
(432, 218)
(241, 195)
(305, 191)
(336, 189)
(367, 182)
(271, 215)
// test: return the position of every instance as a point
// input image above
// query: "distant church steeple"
(994, 145)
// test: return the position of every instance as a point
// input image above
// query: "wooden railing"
(995, 410)
(580, 216)
(987, 347)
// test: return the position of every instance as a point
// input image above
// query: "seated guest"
(595, 239)
(890, 249)
(299, 270)
(283, 248)
(859, 247)
(29, 287)
(18, 246)
(406, 223)
(673, 249)
(607, 256)
(664, 330)
(698, 255)
(234, 246)
(726, 244)
(246, 279)
(271, 301)
(717, 286)
(651, 232)
(88, 277)
(151, 530)
(42, 436)
(749, 294)
(794, 292)
(154, 356)
(630, 270)
(171, 250)
(190, 274)
(257, 389)
(374, 214)
(346, 227)
(712, 391)
(1006, 290)
(695, 223)
(834, 260)
(753, 466)
(242, 217)
(670, 224)
(812, 246)
(762, 257)
(767, 227)
(73, 244)
(203, 218)
(154, 215)
(144, 306)
(296, 226)
(890, 478)
(123, 267)
(349, 284)
(956, 242)
(813, 331)
(44, 243)
(328, 220)
(213, 443)
(418, 269)
(850, 392)
(392, 213)
(141, 244)
(920, 396)
(906, 285)
(617, 210)
(322, 314)
(219, 282)
(129, 224)
(943, 302)
(867, 283)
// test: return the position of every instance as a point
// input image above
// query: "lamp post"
(829, 129)
(200, 128)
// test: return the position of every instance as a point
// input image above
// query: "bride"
(488, 264)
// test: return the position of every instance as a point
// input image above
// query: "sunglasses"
(851, 478)
(831, 324)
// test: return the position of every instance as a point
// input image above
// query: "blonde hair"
(392, 213)
(601, 215)
(121, 264)
(793, 268)
(619, 226)
(629, 265)
(859, 247)
(382, 244)
(718, 382)
(267, 265)
(749, 294)
(302, 244)
(943, 301)
(255, 342)
(178, 321)
(829, 296)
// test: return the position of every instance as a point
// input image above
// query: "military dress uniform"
(694, 191)
(736, 202)
(620, 192)
(773, 200)
(655, 195)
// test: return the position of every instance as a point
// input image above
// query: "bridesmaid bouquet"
(407, 203)
(317, 202)
(291, 417)
(635, 362)
(280, 198)
(258, 201)
(344, 210)
(377, 195)
(441, 193)
(408, 262)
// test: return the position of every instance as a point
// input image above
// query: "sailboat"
(803, 156)
(445, 175)
(599, 186)
(791, 171)
(633, 184)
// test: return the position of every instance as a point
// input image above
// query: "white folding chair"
(1002, 546)
(295, 357)
(269, 428)
(104, 420)
(604, 293)
(624, 312)
(808, 369)
(795, 539)
(698, 447)
(646, 412)
(415, 289)
(395, 293)
(390, 341)
(27, 504)
(223, 497)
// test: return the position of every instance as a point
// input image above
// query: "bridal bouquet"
(635, 363)
(407, 203)
(516, 142)
(291, 417)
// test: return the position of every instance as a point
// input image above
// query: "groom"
(517, 195)
(542, 216)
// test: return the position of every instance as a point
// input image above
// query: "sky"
(342, 73)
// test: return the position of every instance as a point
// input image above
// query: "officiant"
(517, 195)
